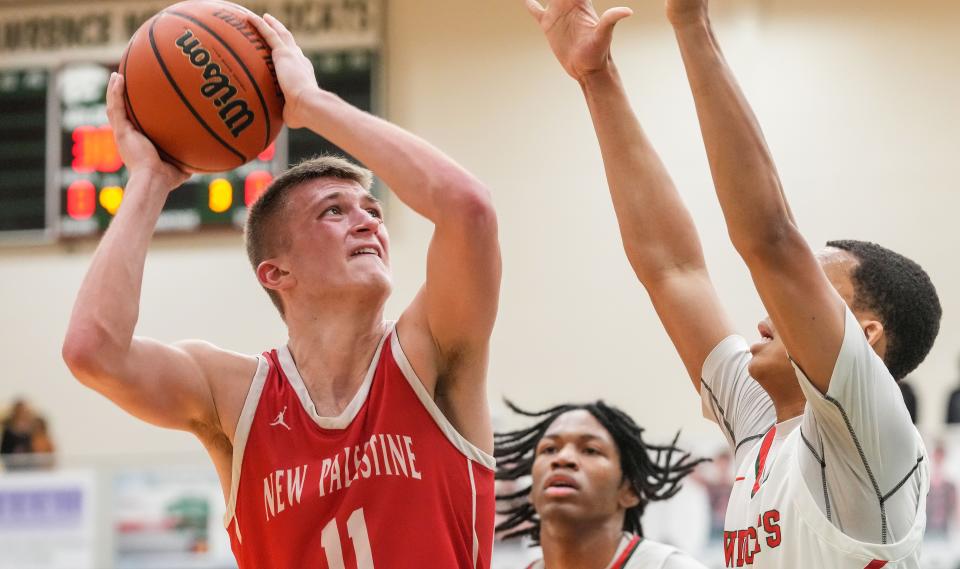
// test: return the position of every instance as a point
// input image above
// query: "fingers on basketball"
(116, 113)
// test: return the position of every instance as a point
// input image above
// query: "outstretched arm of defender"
(457, 306)
(162, 384)
(806, 310)
(658, 234)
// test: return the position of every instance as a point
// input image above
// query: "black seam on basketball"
(253, 82)
(136, 122)
(866, 466)
(166, 73)
(167, 157)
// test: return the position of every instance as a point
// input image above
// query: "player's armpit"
(455, 380)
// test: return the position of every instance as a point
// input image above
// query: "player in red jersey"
(359, 443)
(591, 477)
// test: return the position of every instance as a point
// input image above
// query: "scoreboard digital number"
(92, 175)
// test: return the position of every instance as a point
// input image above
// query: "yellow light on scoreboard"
(110, 198)
(220, 195)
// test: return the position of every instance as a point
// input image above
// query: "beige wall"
(858, 101)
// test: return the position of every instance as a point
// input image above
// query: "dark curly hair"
(899, 291)
(654, 472)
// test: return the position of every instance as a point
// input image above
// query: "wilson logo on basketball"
(234, 112)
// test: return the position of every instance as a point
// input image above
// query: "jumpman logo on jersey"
(279, 420)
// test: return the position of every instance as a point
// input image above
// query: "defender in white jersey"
(831, 474)
(591, 477)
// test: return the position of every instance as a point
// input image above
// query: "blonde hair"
(265, 231)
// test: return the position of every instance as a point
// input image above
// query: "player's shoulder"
(729, 356)
(228, 374)
(214, 360)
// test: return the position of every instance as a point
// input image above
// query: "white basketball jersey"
(842, 486)
(775, 523)
(638, 553)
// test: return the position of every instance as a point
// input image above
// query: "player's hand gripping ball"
(201, 85)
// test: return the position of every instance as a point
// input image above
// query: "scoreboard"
(61, 176)
(23, 129)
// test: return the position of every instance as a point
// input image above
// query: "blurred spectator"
(941, 500)
(42, 445)
(953, 406)
(910, 398)
(24, 433)
(716, 478)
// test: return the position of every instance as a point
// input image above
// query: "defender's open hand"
(577, 35)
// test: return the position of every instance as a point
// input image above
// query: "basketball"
(200, 84)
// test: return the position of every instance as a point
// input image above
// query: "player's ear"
(628, 497)
(875, 333)
(272, 275)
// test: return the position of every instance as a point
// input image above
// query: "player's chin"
(567, 508)
(378, 276)
(762, 366)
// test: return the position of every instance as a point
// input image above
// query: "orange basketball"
(201, 85)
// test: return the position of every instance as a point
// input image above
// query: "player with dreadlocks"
(592, 476)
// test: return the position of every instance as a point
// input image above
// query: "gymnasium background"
(858, 100)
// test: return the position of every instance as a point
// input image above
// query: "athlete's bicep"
(162, 384)
(805, 308)
(692, 315)
(462, 289)
(451, 318)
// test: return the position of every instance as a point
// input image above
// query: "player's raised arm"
(162, 384)
(658, 233)
(457, 307)
(806, 310)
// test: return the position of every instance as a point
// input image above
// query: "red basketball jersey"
(389, 483)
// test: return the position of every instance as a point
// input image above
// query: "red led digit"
(81, 199)
(254, 184)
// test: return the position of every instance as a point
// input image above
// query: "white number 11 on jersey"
(357, 530)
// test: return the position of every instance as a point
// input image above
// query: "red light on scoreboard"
(81, 199)
(94, 150)
(268, 153)
(254, 185)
